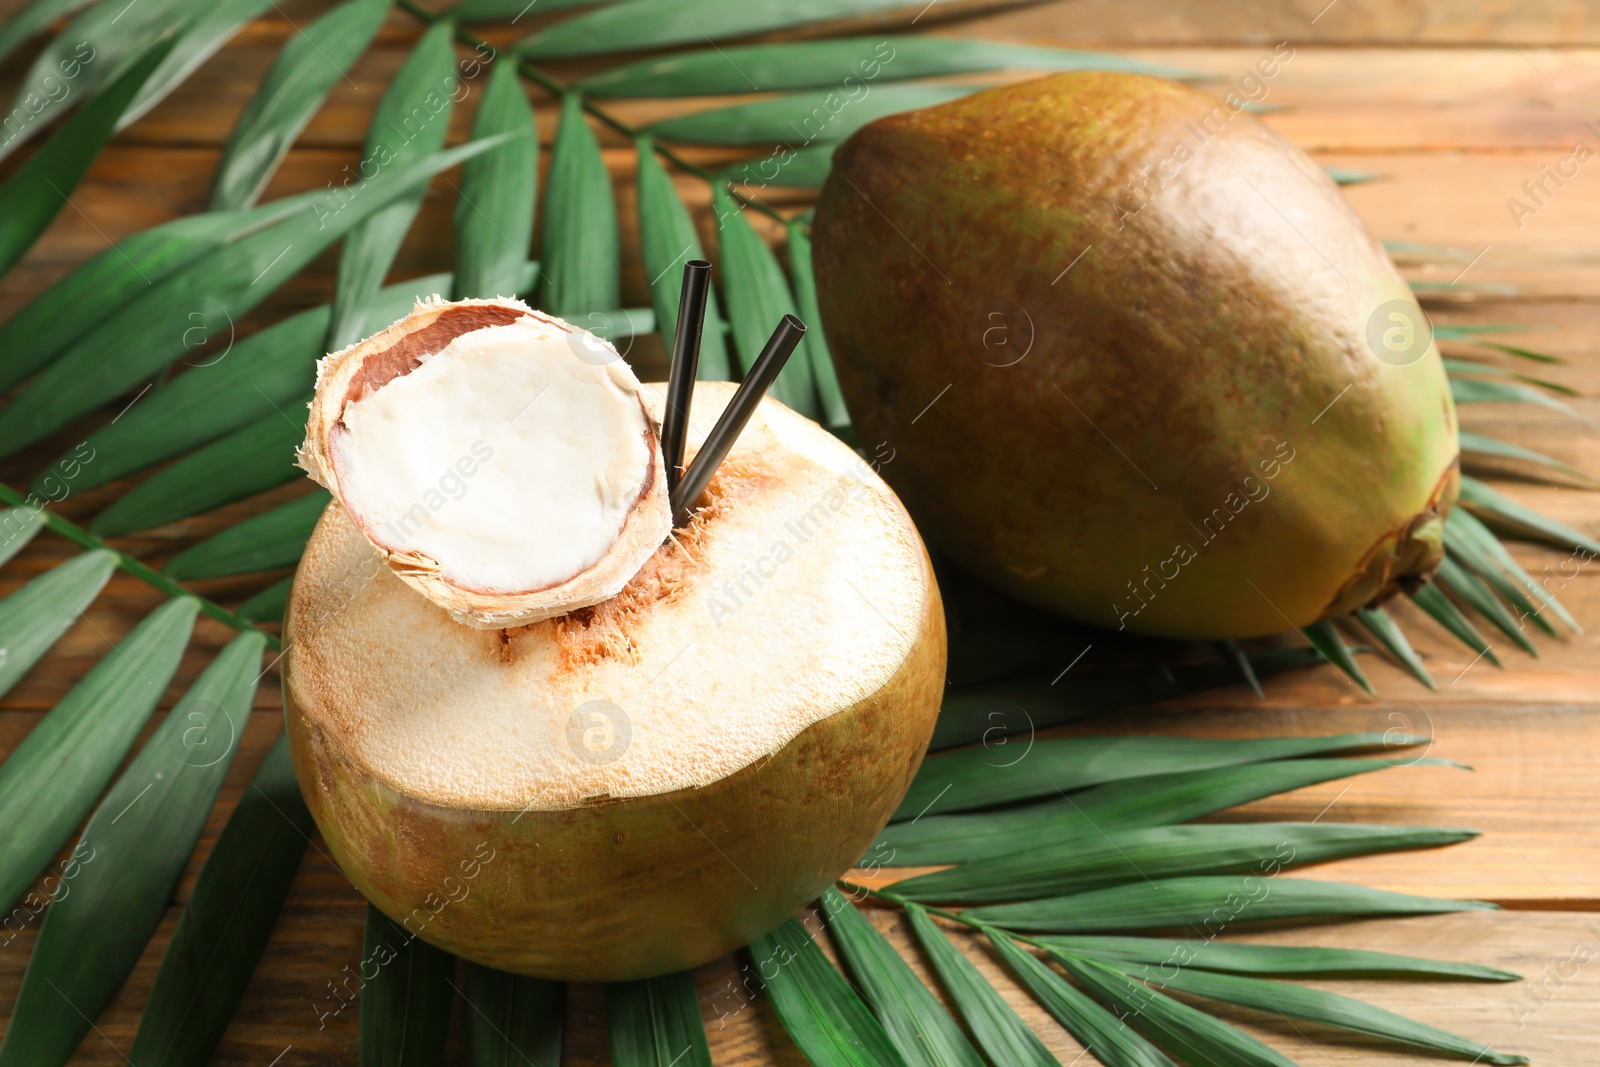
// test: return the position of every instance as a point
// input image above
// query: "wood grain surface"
(1453, 104)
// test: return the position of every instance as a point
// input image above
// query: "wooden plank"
(1230, 22)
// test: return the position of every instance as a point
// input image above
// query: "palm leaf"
(1493, 507)
(1003, 1036)
(1431, 600)
(18, 525)
(1278, 960)
(1231, 651)
(1118, 856)
(272, 539)
(965, 780)
(758, 297)
(1345, 176)
(1465, 531)
(497, 10)
(1472, 556)
(267, 605)
(990, 710)
(916, 1022)
(34, 617)
(1460, 331)
(638, 24)
(68, 309)
(656, 1023)
(1325, 639)
(805, 118)
(36, 192)
(1521, 353)
(405, 1006)
(51, 780)
(1468, 366)
(1477, 444)
(198, 39)
(408, 125)
(512, 1020)
(227, 920)
(834, 415)
(668, 240)
(1482, 391)
(1328, 1009)
(1097, 1030)
(241, 464)
(24, 508)
(579, 258)
(268, 371)
(819, 64)
(494, 208)
(1381, 625)
(1190, 1034)
(138, 840)
(92, 52)
(802, 168)
(1211, 901)
(34, 18)
(1456, 578)
(824, 1016)
(31, 198)
(124, 347)
(305, 72)
(1157, 800)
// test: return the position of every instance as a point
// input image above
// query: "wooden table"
(1456, 104)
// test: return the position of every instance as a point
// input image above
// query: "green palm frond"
(515, 1021)
(39, 188)
(916, 1022)
(52, 779)
(822, 64)
(137, 842)
(405, 1005)
(1069, 849)
(306, 71)
(224, 928)
(656, 1023)
(417, 97)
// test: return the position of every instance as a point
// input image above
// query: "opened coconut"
(1138, 360)
(540, 746)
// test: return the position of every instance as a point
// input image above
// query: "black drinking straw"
(685, 361)
(720, 440)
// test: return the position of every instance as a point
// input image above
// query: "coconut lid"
(500, 460)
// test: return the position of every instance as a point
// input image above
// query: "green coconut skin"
(618, 889)
(1114, 334)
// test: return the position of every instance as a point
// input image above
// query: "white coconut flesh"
(505, 457)
(500, 460)
(797, 590)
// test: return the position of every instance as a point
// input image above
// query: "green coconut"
(545, 772)
(1135, 359)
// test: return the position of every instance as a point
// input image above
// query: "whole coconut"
(1138, 360)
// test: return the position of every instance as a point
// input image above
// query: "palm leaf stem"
(126, 563)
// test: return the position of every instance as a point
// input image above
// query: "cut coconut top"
(797, 590)
(500, 460)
